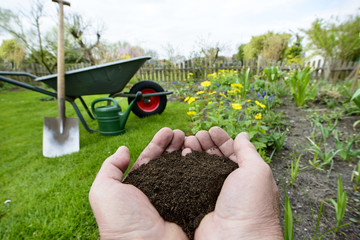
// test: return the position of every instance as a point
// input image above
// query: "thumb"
(115, 165)
(245, 151)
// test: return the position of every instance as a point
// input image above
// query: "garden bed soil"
(313, 186)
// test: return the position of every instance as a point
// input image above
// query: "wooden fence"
(37, 69)
(158, 71)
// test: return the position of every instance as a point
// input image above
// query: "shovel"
(60, 134)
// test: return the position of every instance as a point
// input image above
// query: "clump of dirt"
(183, 188)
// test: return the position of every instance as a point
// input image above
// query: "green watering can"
(110, 119)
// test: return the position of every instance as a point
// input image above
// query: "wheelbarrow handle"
(18, 74)
(27, 86)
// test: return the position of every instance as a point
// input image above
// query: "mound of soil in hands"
(183, 189)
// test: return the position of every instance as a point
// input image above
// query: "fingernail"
(246, 135)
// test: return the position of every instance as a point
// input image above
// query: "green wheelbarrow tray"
(110, 78)
(107, 78)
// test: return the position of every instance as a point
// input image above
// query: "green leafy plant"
(300, 87)
(276, 140)
(346, 152)
(245, 80)
(273, 73)
(340, 204)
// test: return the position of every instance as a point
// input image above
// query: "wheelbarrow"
(109, 78)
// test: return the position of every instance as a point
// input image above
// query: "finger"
(186, 151)
(177, 141)
(192, 143)
(115, 165)
(223, 141)
(156, 147)
(207, 143)
(245, 151)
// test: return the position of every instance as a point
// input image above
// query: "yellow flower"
(206, 83)
(260, 104)
(199, 92)
(210, 102)
(258, 116)
(230, 91)
(211, 93)
(221, 94)
(186, 99)
(248, 109)
(191, 74)
(237, 85)
(191, 113)
(249, 100)
(236, 106)
(221, 102)
(192, 99)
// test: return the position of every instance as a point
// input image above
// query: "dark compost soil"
(183, 189)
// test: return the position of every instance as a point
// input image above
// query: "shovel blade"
(60, 139)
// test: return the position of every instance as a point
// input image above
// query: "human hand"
(247, 207)
(122, 211)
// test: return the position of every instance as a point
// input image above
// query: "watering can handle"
(101, 100)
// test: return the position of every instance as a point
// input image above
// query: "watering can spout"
(125, 115)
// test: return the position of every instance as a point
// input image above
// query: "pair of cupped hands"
(247, 206)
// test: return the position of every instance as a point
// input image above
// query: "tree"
(240, 54)
(77, 26)
(32, 39)
(173, 55)
(295, 51)
(73, 54)
(108, 52)
(12, 51)
(335, 41)
(269, 45)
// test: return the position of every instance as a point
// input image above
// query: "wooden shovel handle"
(63, 2)
(61, 62)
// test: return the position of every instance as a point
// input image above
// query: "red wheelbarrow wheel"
(148, 105)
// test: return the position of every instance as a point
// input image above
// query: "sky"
(187, 25)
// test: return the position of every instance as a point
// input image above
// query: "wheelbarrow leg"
(81, 117)
(86, 108)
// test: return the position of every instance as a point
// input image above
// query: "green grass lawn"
(49, 196)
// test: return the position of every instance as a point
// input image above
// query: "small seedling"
(288, 220)
(340, 204)
(356, 175)
(294, 169)
(326, 155)
(346, 152)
